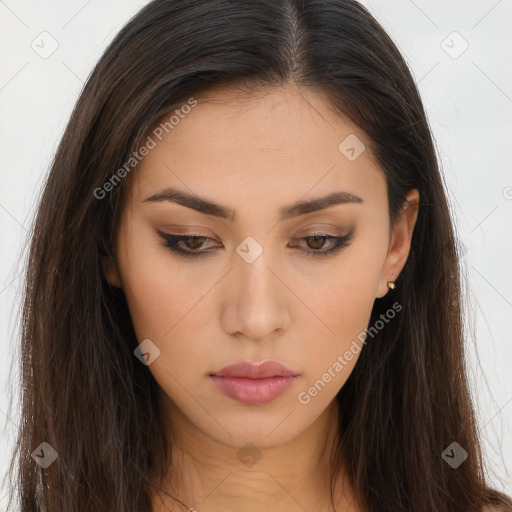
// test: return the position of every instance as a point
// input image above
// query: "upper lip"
(259, 370)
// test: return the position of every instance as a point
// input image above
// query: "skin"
(255, 154)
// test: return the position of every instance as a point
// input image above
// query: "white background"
(469, 104)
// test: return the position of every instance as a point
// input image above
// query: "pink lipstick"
(254, 383)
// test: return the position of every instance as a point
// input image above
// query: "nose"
(258, 299)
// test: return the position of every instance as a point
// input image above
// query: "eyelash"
(172, 243)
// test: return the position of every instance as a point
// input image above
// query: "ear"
(111, 272)
(400, 242)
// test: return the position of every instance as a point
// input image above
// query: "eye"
(191, 243)
(192, 246)
(317, 240)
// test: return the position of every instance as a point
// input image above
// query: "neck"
(207, 475)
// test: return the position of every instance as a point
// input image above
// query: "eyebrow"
(208, 207)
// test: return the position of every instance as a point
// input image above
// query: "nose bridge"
(258, 298)
(255, 280)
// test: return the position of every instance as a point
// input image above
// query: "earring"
(391, 285)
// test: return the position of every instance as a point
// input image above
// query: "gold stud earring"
(391, 285)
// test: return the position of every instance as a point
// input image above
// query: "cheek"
(345, 311)
(168, 301)
(345, 295)
(158, 292)
(343, 301)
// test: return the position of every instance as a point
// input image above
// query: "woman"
(243, 290)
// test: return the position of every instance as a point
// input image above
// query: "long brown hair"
(83, 391)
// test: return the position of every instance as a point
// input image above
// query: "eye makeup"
(193, 246)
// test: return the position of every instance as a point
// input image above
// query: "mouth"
(254, 383)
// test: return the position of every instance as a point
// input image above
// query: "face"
(257, 277)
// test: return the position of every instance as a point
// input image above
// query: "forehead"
(284, 142)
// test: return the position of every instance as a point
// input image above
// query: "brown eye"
(316, 242)
(193, 242)
(189, 246)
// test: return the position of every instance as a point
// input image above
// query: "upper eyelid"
(310, 231)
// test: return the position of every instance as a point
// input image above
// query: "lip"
(259, 370)
(254, 383)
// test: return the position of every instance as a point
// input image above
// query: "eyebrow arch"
(208, 207)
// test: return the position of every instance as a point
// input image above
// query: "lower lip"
(253, 391)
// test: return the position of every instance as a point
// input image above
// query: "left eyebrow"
(208, 207)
